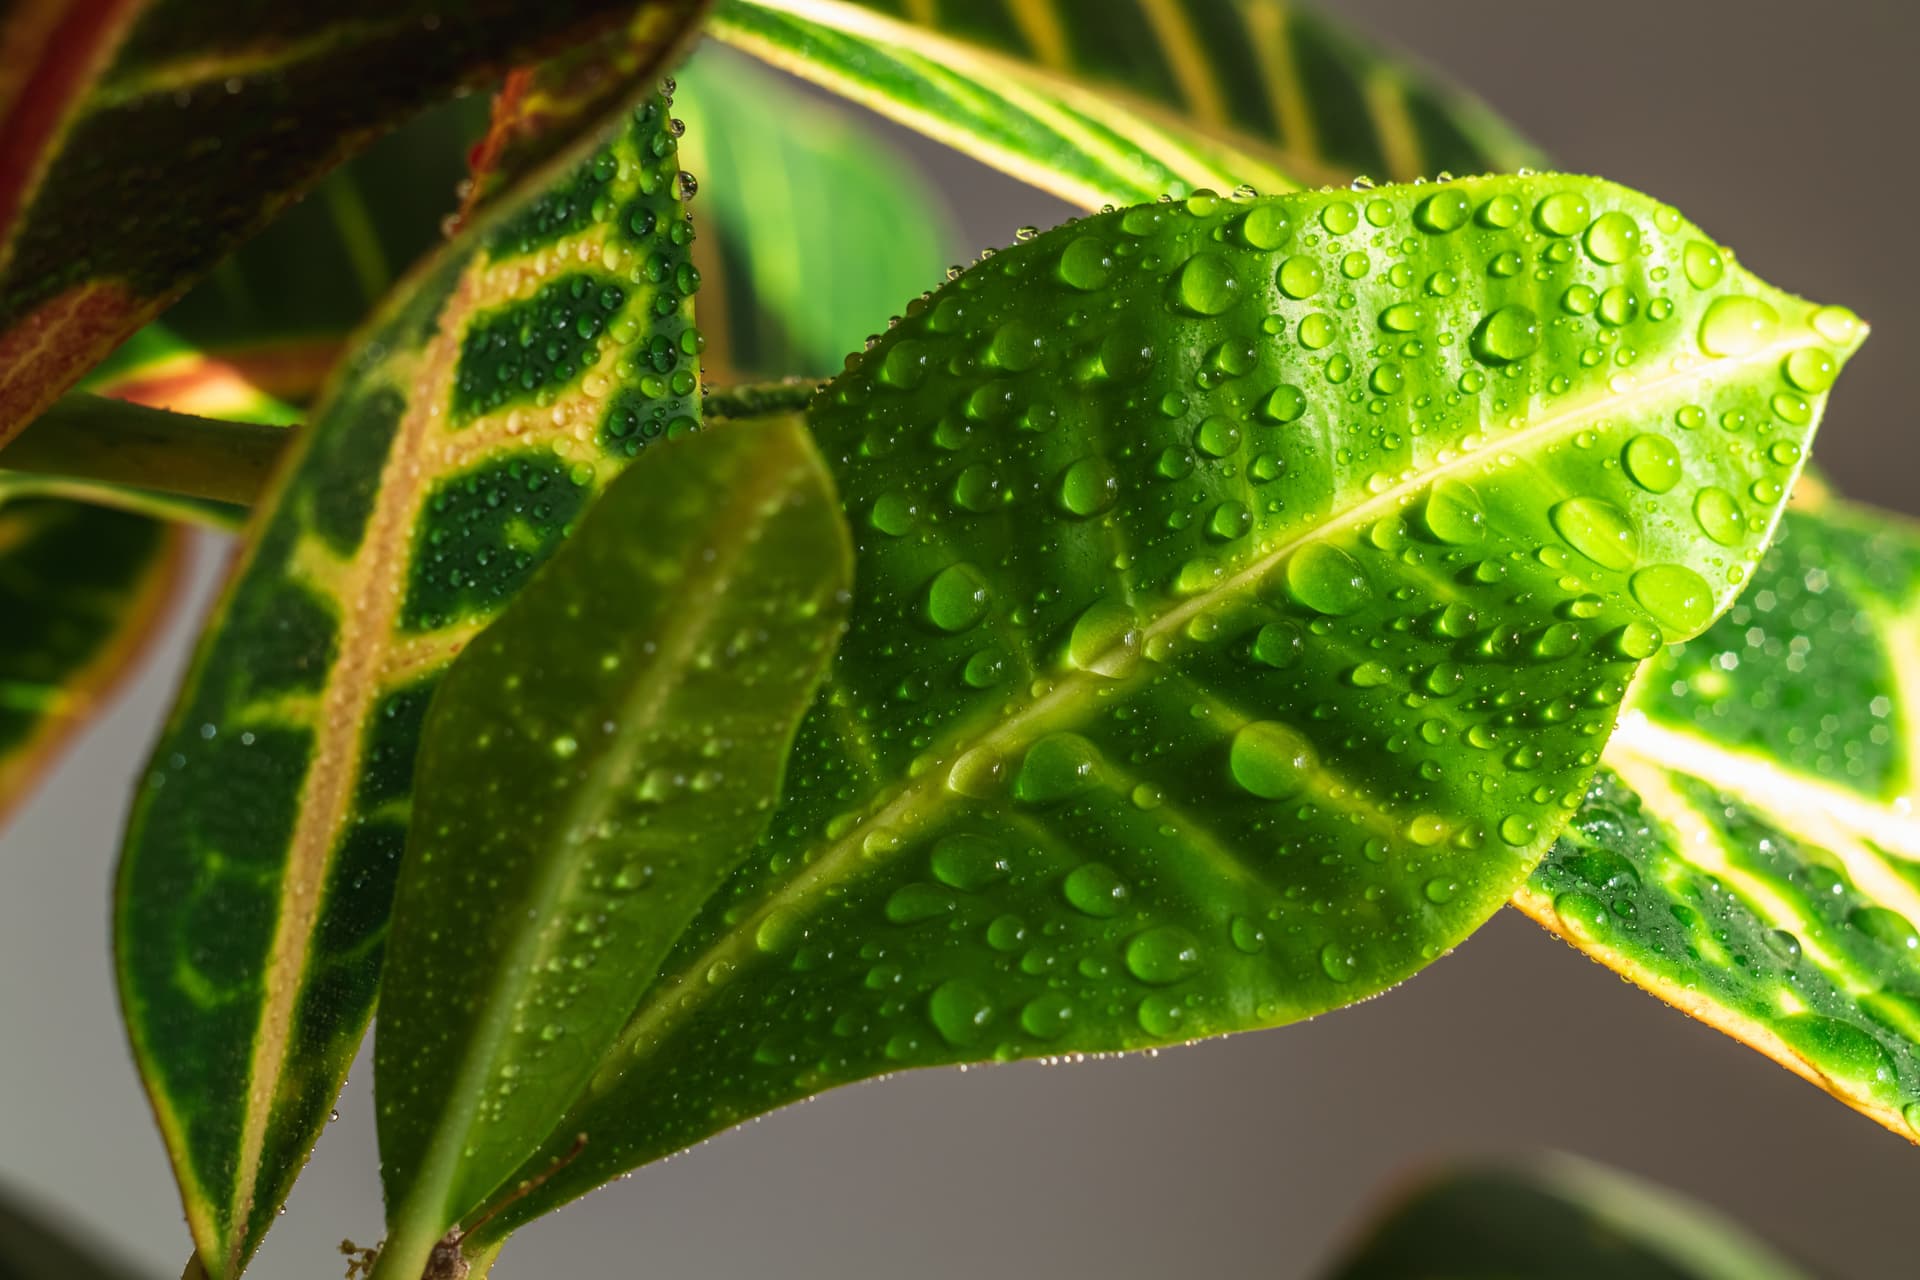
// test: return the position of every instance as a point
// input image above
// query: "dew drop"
(1678, 598)
(1454, 514)
(1163, 955)
(1509, 334)
(1737, 326)
(1056, 767)
(1207, 285)
(1095, 889)
(1613, 238)
(1652, 462)
(1327, 580)
(1718, 514)
(957, 597)
(960, 1011)
(1598, 530)
(1271, 760)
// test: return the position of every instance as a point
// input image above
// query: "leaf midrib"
(907, 808)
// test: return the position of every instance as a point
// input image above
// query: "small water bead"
(1286, 404)
(1402, 317)
(1618, 306)
(1266, 226)
(1316, 331)
(1505, 264)
(1095, 889)
(969, 863)
(985, 669)
(1501, 212)
(1217, 436)
(915, 903)
(1247, 935)
(1089, 487)
(1055, 768)
(1677, 598)
(1691, 417)
(1454, 514)
(1279, 645)
(957, 597)
(1229, 521)
(1598, 530)
(1085, 264)
(1811, 369)
(1637, 640)
(1105, 639)
(1271, 760)
(904, 367)
(1584, 916)
(1047, 1017)
(977, 489)
(1443, 211)
(1379, 213)
(1836, 324)
(1339, 962)
(1613, 238)
(960, 1011)
(1370, 675)
(1339, 218)
(1207, 285)
(1443, 284)
(1327, 580)
(893, 515)
(1162, 1015)
(1299, 276)
(1839, 1047)
(1579, 300)
(1737, 326)
(1387, 379)
(1512, 333)
(1163, 955)
(1783, 453)
(1719, 516)
(1652, 462)
(1564, 213)
(1355, 265)
(1702, 264)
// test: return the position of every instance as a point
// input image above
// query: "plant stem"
(194, 1271)
(122, 443)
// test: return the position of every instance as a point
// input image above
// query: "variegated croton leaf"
(1751, 854)
(510, 377)
(140, 140)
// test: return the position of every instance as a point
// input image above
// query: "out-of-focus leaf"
(140, 141)
(35, 1246)
(1751, 853)
(511, 376)
(82, 590)
(815, 231)
(1554, 1216)
(1120, 101)
(555, 854)
(1245, 591)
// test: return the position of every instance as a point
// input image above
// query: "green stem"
(112, 440)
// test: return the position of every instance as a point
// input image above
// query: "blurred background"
(1782, 127)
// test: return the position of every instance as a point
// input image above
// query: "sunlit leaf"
(1245, 591)
(143, 140)
(1553, 1216)
(1122, 101)
(592, 768)
(1751, 853)
(450, 455)
(815, 230)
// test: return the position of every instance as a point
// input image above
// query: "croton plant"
(669, 701)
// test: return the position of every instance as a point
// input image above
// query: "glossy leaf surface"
(1751, 855)
(144, 138)
(1245, 590)
(1554, 1216)
(1122, 101)
(510, 378)
(815, 230)
(592, 768)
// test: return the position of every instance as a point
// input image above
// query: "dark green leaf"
(1554, 1217)
(592, 768)
(450, 455)
(1245, 592)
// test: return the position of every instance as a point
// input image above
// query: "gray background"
(1784, 128)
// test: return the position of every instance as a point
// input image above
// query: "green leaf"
(82, 591)
(592, 768)
(144, 140)
(1554, 1216)
(448, 458)
(816, 230)
(1244, 593)
(1751, 855)
(1120, 101)
(35, 1245)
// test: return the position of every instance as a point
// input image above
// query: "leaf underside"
(592, 767)
(144, 138)
(1245, 590)
(1122, 101)
(512, 376)
(1751, 854)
